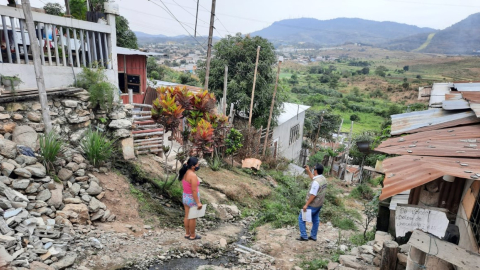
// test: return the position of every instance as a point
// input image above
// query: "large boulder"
(94, 188)
(96, 205)
(65, 262)
(37, 170)
(22, 173)
(120, 123)
(64, 174)
(44, 195)
(7, 168)
(76, 213)
(8, 148)
(25, 135)
(56, 200)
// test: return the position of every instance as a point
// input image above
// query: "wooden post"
(224, 104)
(67, 8)
(231, 114)
(260, 140)
(209, 49)
(271, 108)
(389, 255)
(130, 96)
(415, 259)
(35, 47)
(253, 88)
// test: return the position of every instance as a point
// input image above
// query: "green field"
(353, 83)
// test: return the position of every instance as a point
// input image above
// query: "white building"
(288, 135)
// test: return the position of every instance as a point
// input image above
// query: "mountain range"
(338, 31)
(460, 38)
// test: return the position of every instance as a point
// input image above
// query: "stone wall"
(40, 210)
(71, 117)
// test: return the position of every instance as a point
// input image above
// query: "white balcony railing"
(64, 41)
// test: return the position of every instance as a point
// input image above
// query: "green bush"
(344, 223)
(314, 264)
(283, 206)
(97, 147)
(316, 159)
(359, 240)
(376, 181)
(215, 163)
(95, 81)
(50, 147)
(362, 191)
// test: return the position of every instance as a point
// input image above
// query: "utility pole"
(271, 107)
(35, 45)
(253, 89)
(67, 7)
(318, 133)
(196, 20)
(224, 104)
(209, 49)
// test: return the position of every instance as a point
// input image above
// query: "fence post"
(111, 10)
(42, 93)
(130, 96)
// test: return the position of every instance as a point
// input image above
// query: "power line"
(177, 21)
(188, 11)
(217, 19)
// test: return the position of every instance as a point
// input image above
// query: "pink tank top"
(187, 187)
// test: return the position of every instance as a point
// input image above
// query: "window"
(131, 81)
(294, 134)
(475, 214)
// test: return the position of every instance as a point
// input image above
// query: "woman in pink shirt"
(191, 195)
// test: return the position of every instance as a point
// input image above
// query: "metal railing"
(63, 41)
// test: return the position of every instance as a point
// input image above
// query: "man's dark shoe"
(302, 239)
(310, 238)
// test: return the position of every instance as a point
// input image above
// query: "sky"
(246, 16)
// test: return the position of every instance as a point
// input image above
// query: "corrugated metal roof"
(127, 51)
(290, 110)
(430, 120)
(437, 95)
(406, 172)
(470, 86)
(451, 142)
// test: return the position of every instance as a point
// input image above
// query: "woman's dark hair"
(319, 168)
(190, 163)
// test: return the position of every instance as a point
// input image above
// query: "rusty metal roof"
(451, 142)
(406, 172)
(430, 120)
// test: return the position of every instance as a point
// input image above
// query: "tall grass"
(50, 147)
(97, 147)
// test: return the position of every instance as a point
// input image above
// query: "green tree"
(381, 71)
(53, 9)
(233, 142)
(328, 126)
(239, 53)
(406, 68)
(125, 36)
(78, 9)
(188, 79)
(354, 117)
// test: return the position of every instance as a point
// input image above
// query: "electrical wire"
(168, 11)
(433, 4)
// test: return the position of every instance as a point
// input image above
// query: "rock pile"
(38, 210)
(369, 256)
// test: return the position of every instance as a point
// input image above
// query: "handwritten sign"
(408, 218)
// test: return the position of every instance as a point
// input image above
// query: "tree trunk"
(389, 255)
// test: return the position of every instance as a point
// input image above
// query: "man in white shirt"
(314, 202)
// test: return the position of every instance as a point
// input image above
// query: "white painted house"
(288, 135)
